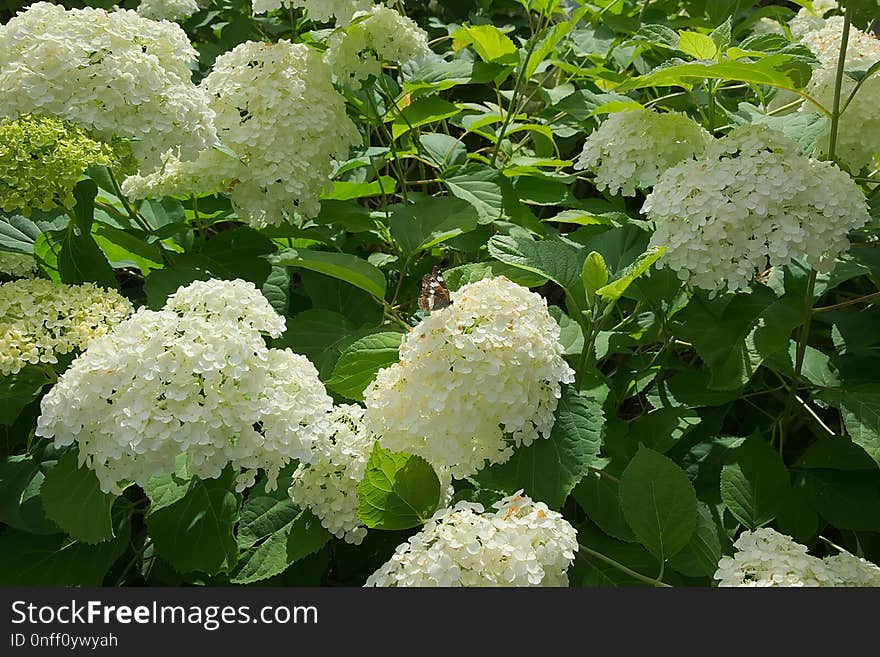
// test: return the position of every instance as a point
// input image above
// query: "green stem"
(844, 304)
(619, 566)
(517, 90)
(838, 85)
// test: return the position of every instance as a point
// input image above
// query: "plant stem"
(850, 302)
(619, 566)
(517, 89)
(838, 85)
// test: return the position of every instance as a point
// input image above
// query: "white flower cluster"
(522, 544)
(765, 557)
(320, 11)
(850, 570)
(859, 135)
(41, 320)
(115, 73)
(752, 201)
(194, 378)
(474, 380)
(171, 10)
(279, 113)
(17, 265)
(631, 149)
(327, 483)
(378, 35)
(807, 21)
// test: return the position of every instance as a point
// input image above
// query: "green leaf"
(162, 283)
(860, 407)
(599, 497)
(343, 266)
(195, 532)
(571, 335)
(361, 361)
(557, 258)
(783, 71)
(423, 111)
(490, 43)
(754, 483)
(659, 503)
(613, 291)
(432, 221)
(457, 277)
(17, 391)
(734, 340)
(862, 12)
(297, 538)
(73, 498)
(442, 149)
(276, 289)
(697, 45)
(18, 234)
(165, 490)
(81, 259)
(32, 560)
(846, 499)
(550, 468)
(20, 507)
(699, 558)
(491, 193)
(239, 253)
(398, 491)
(594, 274)
(262, 516)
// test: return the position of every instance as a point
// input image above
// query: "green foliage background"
(692, 418)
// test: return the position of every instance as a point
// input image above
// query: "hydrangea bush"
(440, 294)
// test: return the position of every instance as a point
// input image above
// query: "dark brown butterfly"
(435, 294)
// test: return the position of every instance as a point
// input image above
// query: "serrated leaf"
(195, 532)
(613, 291)
(432, 221)
(20, 507)
(557, 258)
(398, 490)
(19, 390)
(659, 503)
(699, 558)
(343, 266)
(361, 361)
(550, 468)
(599, 497)
(72, 497)
(755, 483)
(299, 537)
(697, 45)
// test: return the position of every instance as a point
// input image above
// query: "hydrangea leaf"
(599, 497)
(432, 221)
(20, 507)
(860, 406)
(847, 500)
(271, 554)
(358, 364)
(550, 468)
(343, 266)
(755, 483)
(557, 258)
(19, 390)
(195, 533)
(18, 234)
(733, 340)
(614, 290)
(73, 498)
(659, 503)
(52, 560)
(699, 558)
(398, 491)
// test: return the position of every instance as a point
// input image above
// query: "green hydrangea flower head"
(41, 159)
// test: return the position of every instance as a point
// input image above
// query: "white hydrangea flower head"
(523, 543)
(806, 21)
(189, 379)
(850, 570)
(327, 483)
(381, 34)
(320, 11)
(17, 265)
(238, 301)
(41, 320)
(631, 149)
(278, 112)
(171, 10)
(752, 201)
(474, 380)
(116, 73)
(765, 557)
(858, 139)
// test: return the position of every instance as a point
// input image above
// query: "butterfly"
(435, 294)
